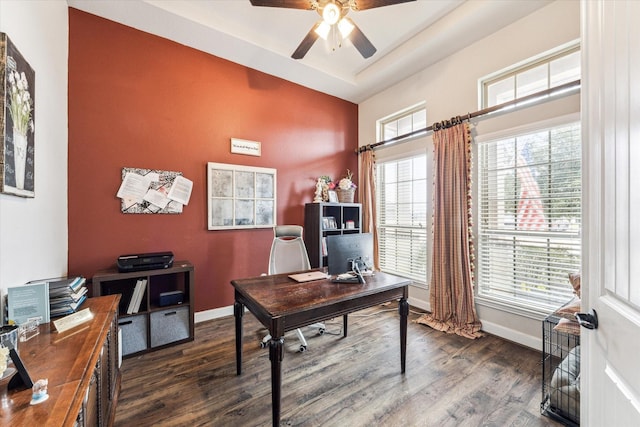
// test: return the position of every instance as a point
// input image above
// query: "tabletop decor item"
(5, 379)
(346, 188)
(39, 389)
(8, 339)
(4, 358)
(323, 185)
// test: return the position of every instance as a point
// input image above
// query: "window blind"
(529, 204)
(402, 217)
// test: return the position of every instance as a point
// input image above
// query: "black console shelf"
(347, 219)
(154, 325)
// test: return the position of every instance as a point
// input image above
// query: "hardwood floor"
(353, 381)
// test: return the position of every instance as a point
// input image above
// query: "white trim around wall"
(512, 335)
(216, 313)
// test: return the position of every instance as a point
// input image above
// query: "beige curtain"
(368, 200)
(451, 285)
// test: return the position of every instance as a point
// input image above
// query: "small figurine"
(39, 394)
(318, 194)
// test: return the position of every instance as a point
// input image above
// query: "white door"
(610, 379)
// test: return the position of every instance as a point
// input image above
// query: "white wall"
(33, 231)
(449, 88)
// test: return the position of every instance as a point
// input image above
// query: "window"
(529, 205)
(547, 71)
(402, 217)
(405, 122)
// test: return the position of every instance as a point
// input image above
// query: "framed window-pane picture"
(240, 196)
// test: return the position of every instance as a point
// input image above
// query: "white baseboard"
(215, 313)
(492, 328)
(419, 303)
(512, 335)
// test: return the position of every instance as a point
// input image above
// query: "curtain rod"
(569, 88)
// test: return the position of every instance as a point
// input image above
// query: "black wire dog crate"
(561, 369)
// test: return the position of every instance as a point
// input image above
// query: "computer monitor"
(341, 249)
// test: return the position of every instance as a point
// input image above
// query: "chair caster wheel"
(263, 344)
(321, 331)
(303, 348)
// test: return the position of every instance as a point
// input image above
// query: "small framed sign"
(243, 146)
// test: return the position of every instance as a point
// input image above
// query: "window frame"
(417, 281)
(480, 298)
(396, 117)
(522, 67)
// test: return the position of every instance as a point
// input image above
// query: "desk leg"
(276, 353)
(238, 311)
(344, 325)
(404, 315)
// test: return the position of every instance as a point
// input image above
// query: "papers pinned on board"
(181, 190)
(134, 187)
(153, 191)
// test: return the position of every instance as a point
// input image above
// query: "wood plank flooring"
(353, 381)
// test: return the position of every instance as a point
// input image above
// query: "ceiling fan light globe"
(345, 28)
(331, 13)
(322, 30)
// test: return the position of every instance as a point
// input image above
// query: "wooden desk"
(81, 365)
(282, 304)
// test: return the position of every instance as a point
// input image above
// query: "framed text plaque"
(243, 146)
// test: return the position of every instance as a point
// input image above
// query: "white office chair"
(289, 254)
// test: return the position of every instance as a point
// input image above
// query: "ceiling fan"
(334, 21)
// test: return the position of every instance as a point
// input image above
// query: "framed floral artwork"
(17, 124)
(240, 196)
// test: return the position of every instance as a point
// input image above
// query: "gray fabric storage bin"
(169, 325)
(134, 333)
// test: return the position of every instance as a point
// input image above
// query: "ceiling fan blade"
(306, 43)
(370, 4)
(291, 4)
(361, 42)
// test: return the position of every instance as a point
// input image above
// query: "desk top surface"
(280, 295)
(67, 360)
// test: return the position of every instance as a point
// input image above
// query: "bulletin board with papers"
(151, 191)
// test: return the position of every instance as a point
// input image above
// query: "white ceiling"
(409, 36)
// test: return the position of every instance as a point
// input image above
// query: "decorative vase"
(5, 378)
(9, 336)
(345, 196)
(19, 157)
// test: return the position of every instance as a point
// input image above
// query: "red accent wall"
(138, 100)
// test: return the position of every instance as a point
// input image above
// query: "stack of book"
(136, 298)
(42, 299)
(66, 294)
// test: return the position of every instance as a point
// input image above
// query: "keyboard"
(346, 278)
